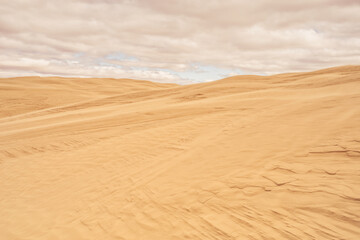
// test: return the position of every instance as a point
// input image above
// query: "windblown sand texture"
(247, 157)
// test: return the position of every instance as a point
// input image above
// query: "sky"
(179, 41)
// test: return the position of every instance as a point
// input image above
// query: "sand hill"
(246, 157)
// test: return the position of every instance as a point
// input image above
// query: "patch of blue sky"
(197, 72)
(206, 73)
(107, 64)
(119, 56)
(78, 54)
(154, 69)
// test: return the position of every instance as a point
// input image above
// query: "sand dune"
(246, 157)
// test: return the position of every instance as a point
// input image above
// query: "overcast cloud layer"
(182, 41)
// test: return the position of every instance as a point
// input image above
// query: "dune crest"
(246, 157)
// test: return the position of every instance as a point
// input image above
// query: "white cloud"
(167, 37)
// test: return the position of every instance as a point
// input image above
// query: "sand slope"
(245, 157)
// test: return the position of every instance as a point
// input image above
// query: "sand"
(246, 157)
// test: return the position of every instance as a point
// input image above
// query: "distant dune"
(246, 157)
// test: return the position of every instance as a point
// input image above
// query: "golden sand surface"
(246, 157)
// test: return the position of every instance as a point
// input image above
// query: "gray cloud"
(74, 38)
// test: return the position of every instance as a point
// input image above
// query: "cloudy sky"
(183, 41)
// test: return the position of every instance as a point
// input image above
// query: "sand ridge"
(246, 157)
